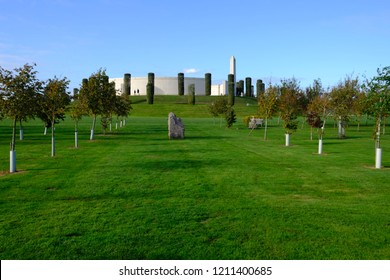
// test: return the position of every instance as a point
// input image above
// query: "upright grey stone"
(175, 127)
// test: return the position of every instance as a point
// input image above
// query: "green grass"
(218, 194)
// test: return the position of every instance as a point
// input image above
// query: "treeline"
(350, 97)
(23, 96)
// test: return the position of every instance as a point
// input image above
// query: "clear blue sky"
(274, 39)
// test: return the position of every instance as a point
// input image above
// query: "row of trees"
(23, 96)
(348, 98)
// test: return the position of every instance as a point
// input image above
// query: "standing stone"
(175, 127)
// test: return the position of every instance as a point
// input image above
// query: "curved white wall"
(162, 85)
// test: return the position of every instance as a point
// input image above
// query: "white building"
(169, 86)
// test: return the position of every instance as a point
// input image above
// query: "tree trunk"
(53, 141)
(265, 129)
(378, 134)
(384, 125)
(311, 133)
(21, 132)
(341, 127)
(359, 119)
(92, 136)
(12, 153)
(45, 131)
(13, 136)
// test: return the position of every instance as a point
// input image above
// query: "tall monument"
(233, 71)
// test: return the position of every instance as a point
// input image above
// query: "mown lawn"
(218, 194)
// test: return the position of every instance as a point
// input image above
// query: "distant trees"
(342, 97)
(379, 100)
(19, 90)
(314, 90)
(122, 107)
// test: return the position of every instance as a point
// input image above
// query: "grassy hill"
(178, 104)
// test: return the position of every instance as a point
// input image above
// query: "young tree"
(268, 105)
(77, 109)
(93, 93)
(289, 106)
(122, 106)
(342, 97)
(359, 106)
(53, 103)
(230, 117)
(317, 112)
(379, 97)
(314, 90)
(191, 94)
(108, 103)
(19, 90)
(218, 107)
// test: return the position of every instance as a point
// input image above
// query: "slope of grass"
(178, 104)
(218, 194)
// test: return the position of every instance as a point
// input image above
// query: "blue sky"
(270, 39)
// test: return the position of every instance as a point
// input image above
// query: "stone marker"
(175, 127)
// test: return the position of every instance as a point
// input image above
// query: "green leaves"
(220, 107)
(19, 89)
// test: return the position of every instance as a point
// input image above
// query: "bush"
(191, 94)
(230, 117)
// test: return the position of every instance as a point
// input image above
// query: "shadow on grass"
(177, 164)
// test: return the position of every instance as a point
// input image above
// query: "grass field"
(218, 194)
